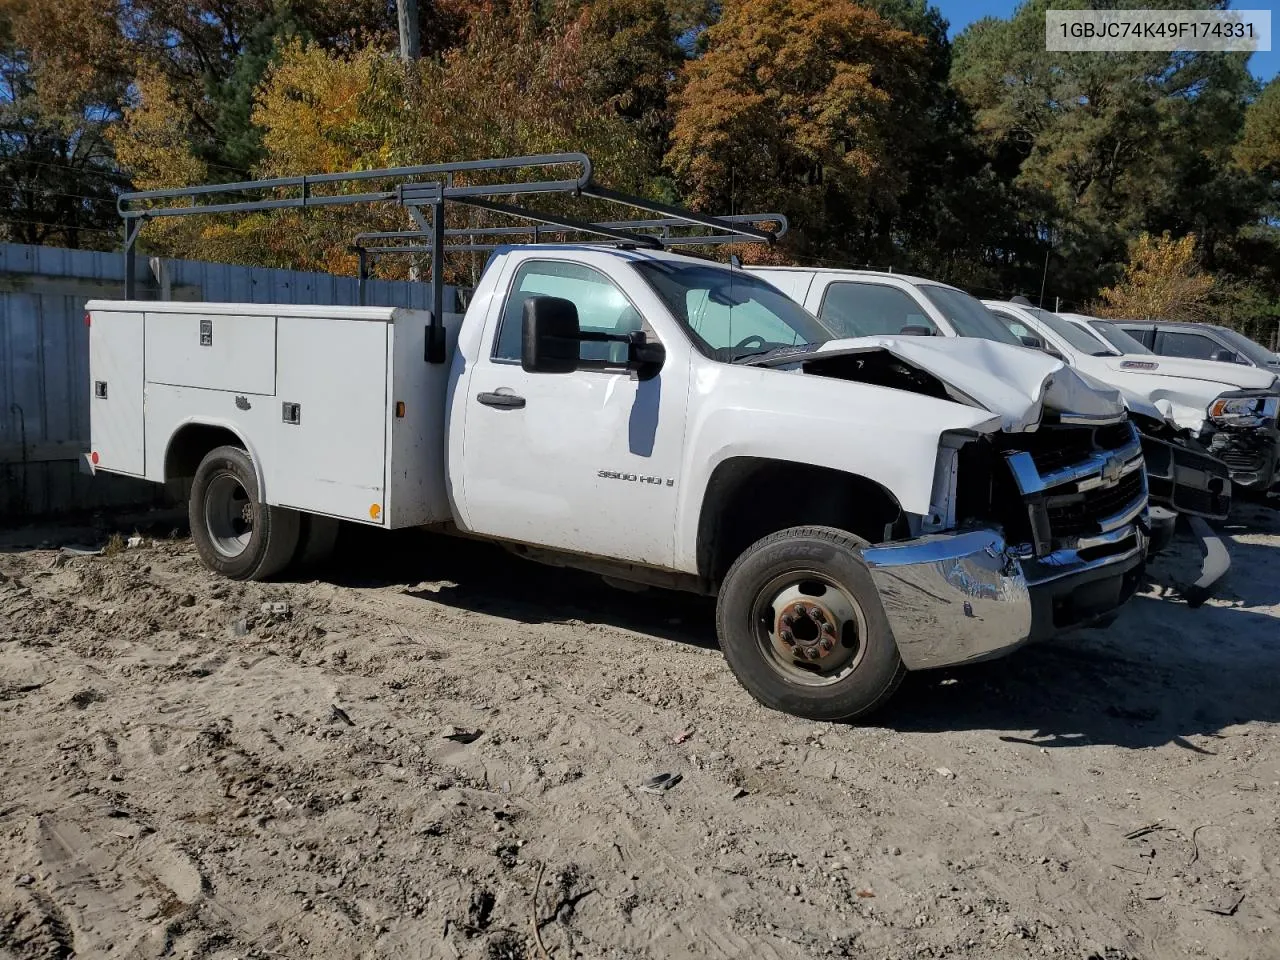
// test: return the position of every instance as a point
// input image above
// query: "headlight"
(1234, 410)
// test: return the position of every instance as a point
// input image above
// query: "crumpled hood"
(1015, 383)
(1231, 375)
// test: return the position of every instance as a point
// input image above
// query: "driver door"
(586, 462)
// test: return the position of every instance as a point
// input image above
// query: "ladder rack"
(434, 186)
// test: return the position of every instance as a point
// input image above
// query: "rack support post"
(435, 332)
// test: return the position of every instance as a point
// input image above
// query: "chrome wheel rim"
(809, 628)
(228, 515)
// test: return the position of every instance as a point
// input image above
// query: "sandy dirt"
(435, 749)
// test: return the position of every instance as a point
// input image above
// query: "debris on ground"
(660, 782)
(458, 735)
(337, 713)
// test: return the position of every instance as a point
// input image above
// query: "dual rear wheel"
(243, 538)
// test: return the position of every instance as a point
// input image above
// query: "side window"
(873, 309)
(1144, 336)
(1192, 345)
(1014, 325)
(602, 307)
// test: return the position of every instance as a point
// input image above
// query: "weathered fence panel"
(44, 357)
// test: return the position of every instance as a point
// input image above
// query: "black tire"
(861, 670)
(235, 533)
(317, 537)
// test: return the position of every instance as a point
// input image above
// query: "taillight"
(88, 318)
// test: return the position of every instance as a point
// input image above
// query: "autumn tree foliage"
(325, 111)
(1162, 281)
(799, 105)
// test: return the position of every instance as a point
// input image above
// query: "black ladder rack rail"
(433, 185)
(487, 239)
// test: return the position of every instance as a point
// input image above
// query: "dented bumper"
(964, 597)
(952, 598)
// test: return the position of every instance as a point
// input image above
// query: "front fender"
(886, 435)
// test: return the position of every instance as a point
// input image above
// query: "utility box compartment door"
(116, 399)
(213, 351)
(331, 400)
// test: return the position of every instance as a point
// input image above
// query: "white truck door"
(585, 462)
(116, 403)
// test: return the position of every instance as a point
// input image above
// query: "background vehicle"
(1200, 341)
(864, 302)
(1228, 410)
(858, 509)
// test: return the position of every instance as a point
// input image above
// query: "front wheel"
(802, 626)
(235, 533)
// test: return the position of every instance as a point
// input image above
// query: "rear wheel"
(316, 539)
(235, 533)
(802, 626)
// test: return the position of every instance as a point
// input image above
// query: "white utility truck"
(859, 507)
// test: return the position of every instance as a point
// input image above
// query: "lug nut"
(787, 637)
(826, 646)
(788, 619)
(829, 629)
(817, 614)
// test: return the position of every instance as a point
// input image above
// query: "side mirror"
(1225, 356)
(1035, 343)
(916, 330)
(1054, 352)
(552, 340)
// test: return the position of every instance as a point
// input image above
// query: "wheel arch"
(192, 441)
(748, 498)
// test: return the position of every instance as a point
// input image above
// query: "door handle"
(503, 401)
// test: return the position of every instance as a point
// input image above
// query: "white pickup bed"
(312, 392)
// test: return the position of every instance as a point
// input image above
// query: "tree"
(802, 106)
(1161, 281)
(1097, 147)
(515, 88)
(1258, 150)
(58, 181)
(632, 54)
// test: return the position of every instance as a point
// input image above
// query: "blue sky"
(963, 12)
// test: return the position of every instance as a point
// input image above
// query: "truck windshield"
(1259, 354)
(1117, 337)
(1078, 339)
(731, 314)
(967, 315)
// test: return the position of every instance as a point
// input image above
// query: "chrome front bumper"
(952, 597)
(962, 597)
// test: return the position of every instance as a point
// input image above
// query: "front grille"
(1077, 514)
(1055, 448)
(1066, 482)
(1238, 454)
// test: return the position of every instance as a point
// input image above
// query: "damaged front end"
(1038, 526)
(1071, 498)
(1182, 476)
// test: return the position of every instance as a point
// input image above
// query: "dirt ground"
(435, 749)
